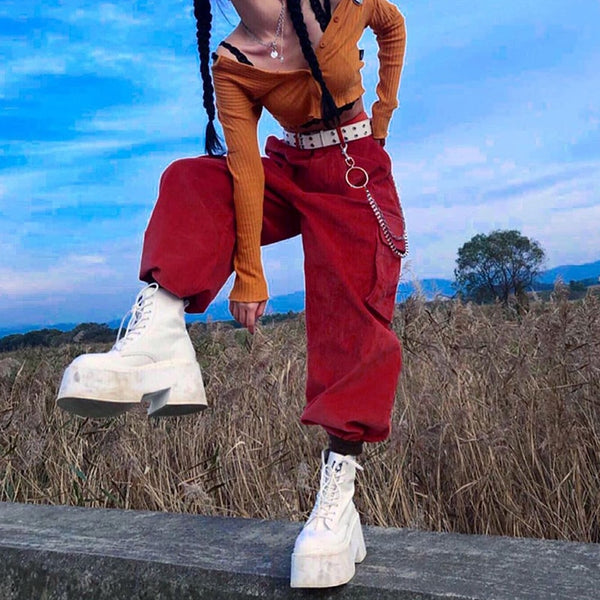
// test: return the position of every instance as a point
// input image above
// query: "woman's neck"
(261, 17)
(258, 15)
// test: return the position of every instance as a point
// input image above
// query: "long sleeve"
(239, 116)
(387, 22)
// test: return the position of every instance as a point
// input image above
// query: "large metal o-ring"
(364, 173)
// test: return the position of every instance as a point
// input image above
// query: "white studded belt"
(329, 137)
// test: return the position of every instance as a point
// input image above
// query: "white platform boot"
(153, 361)
(331, 541)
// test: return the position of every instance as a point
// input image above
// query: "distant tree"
(31, 339)
(11, 342)
(496, 265)
(85, 332)
(577, 286)
(91, 332)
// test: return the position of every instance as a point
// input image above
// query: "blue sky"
(498, 127)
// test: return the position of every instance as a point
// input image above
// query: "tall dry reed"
(496, 428)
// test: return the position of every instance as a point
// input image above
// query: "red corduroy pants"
(351, 275)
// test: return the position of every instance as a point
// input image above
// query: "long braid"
(329, 110)
(213, 144)
(328, 10)
(320, 14)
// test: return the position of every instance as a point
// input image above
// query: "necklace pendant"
(274, 53)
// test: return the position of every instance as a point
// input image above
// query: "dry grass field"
(496, 428)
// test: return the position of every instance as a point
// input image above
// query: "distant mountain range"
(294, 302)
(571, 272)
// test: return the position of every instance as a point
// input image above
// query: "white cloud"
(38, 65)
(111, 58)
(68, 275)
(104, 13)
(89, 260)
(559, 210)
(510, 164)
(460, 156)
(284, 266)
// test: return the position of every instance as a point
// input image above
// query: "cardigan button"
(336, 19)
(322, 45)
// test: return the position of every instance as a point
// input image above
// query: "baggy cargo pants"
(351, 275)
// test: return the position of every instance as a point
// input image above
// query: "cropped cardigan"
(293, 98)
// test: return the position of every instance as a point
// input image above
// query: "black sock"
(341, 446)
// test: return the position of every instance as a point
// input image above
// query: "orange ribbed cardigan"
(294, 98)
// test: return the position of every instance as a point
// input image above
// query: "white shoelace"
(139, 317)
(328, 498)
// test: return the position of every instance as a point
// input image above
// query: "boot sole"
(171, 387)
(329, 570)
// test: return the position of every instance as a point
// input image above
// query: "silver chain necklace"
(275, 46)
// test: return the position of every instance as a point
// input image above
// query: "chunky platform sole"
(171, 387)
(329, 570)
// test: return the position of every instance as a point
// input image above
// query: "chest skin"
(263, 25)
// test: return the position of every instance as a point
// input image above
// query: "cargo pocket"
(382, 298)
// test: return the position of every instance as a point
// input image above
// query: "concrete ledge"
(58, 552)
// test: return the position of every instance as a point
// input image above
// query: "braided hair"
(213, 145)
(329, 110)
(323, 14)
(330, 113)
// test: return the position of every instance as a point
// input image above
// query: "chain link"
(275, 53)
(385, 228)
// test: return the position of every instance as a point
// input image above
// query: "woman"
(329, 179)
